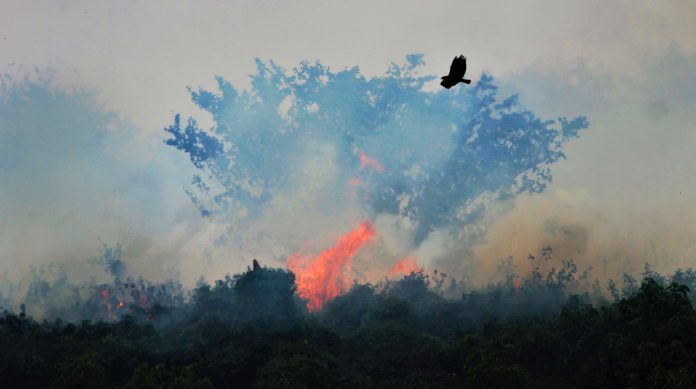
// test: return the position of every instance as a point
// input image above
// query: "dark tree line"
(251, 330)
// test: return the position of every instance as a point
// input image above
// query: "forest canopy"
(252, 330)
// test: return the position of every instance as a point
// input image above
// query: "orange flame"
(322, 278)
(403, 267)
(371, 162)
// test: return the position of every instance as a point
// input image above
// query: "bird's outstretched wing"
(456, 73)
(458, 68)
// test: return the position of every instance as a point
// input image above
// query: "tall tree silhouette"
(441, 150)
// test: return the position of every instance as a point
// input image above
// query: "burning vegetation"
(404, 267)
(431, 159)
(254, 330)
(325, 276)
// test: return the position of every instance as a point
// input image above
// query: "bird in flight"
(456, 73)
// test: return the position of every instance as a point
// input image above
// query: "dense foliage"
(251, 330)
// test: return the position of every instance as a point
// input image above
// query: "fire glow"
(370, 162)
(403, 267)
(324, 277)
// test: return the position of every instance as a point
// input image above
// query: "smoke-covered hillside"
(368, 197)
(253, 330)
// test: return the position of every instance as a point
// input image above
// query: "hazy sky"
(629, 66)
(141, 54)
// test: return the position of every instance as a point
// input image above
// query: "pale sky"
(142, 54)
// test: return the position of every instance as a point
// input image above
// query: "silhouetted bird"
(456, 73)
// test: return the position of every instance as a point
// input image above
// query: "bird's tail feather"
(466, 81)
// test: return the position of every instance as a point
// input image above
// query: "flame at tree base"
(404, 267)
(323, 277)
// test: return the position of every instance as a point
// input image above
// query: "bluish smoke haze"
(394, 147)
(75, 176)
(300, 156)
